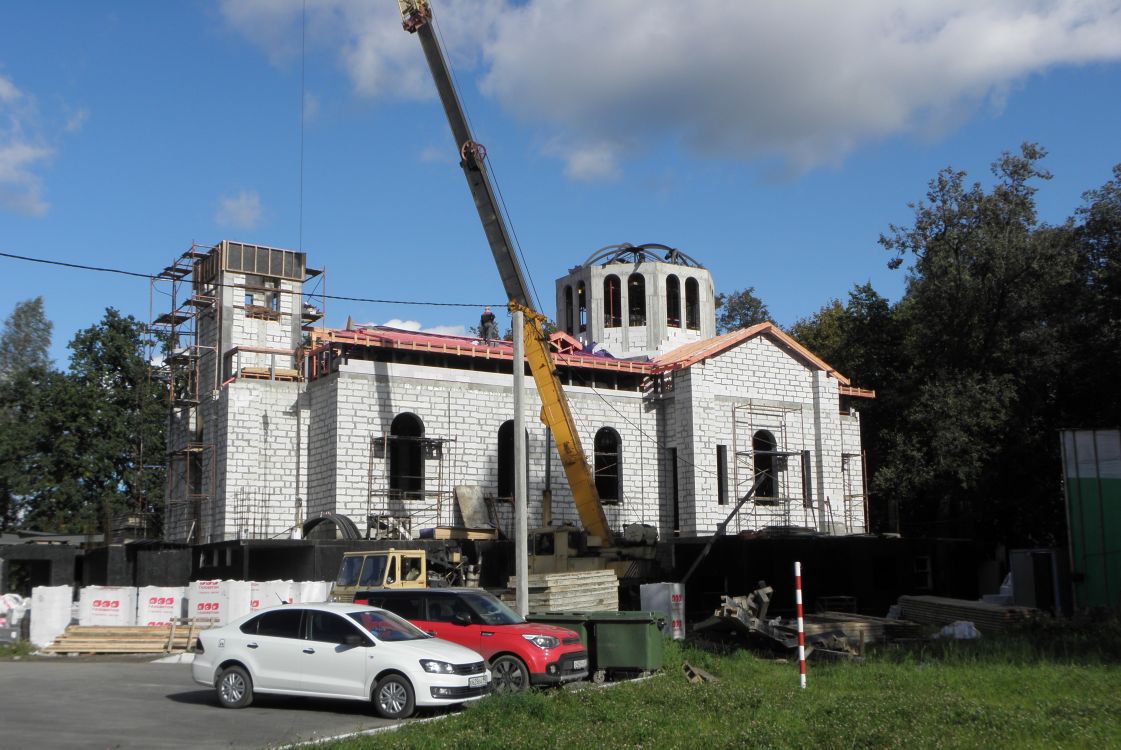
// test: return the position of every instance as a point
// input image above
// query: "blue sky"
(773, 142)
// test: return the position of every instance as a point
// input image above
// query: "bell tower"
(637, 301)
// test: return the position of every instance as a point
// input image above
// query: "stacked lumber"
(862, 628)
(124, 639)
(572, 592)
(938, 610)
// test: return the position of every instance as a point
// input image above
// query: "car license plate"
(579, 663)
(477, 681)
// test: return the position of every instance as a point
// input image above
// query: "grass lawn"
(1044, 690)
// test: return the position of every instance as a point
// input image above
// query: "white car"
(337, 651)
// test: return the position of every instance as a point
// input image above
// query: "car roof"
(320, 606)
(430, 590)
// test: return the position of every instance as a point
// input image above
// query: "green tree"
(25, 341)
(740, 309)
(983, 352)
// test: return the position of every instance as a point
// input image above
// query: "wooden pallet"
(988, 618)
(176, 637)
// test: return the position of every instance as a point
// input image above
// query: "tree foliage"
(1008, 330)
(81, 444)
(25, 341)
(740, 309)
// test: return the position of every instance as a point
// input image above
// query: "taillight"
(361, 601)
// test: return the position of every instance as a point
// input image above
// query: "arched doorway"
(607, 473)
(406, 457)
(763, 446)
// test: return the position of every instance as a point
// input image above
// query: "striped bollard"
(801, 625)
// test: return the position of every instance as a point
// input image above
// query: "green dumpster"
(577, 621)
(617, 642)
(625, 642)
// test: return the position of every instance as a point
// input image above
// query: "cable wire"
(152, 277)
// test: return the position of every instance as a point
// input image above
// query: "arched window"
(692, 304)
(673, 301)
(581, 307)
(568, 325)
(636, 299)
(506, 460)
(607, 465)
(612, 302)
(763, 448)
(406, 456)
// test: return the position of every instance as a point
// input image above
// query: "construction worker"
(488, 329)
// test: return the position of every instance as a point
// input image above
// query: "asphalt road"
(66, 703)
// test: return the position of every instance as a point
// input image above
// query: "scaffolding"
(768, 439)
(187, 354)
(395, 512)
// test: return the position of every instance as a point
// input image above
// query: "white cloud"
(241, 211)
(447, 330)
(22, 153)
(77, 120)
(415, 325)
(803, 83)
(404, 325)
(434, 155)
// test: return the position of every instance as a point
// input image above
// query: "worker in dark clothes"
(488, 329)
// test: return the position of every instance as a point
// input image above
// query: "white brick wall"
(281, 443)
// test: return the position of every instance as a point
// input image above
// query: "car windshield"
(386, 626)
(490, 610)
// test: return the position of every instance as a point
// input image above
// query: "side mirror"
(355, 639)
(461, 619)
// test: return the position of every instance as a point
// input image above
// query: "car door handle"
(251, 645)
(309, 650)
(487, 632)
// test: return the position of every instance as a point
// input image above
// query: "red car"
(520, 653)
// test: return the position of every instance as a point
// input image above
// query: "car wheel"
(235, 688)
(393, 697)
(510, 674)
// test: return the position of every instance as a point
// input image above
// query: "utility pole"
(521, 523)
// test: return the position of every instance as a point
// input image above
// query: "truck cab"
(381, 569)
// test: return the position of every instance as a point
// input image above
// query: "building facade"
(276, 422)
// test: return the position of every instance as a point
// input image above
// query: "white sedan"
(337, 651)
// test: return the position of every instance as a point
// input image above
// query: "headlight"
(438, 667)
(542, 641)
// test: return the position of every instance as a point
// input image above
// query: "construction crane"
(416, 17)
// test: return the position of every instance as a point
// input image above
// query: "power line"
(151, 277)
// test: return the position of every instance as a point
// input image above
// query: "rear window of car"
(327, 627)
(280, 623)
(409, 606)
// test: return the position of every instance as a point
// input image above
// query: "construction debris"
(696, 674)
(988, 618)
(829, 635)
(592, 590)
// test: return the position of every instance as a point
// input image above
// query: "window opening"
(406, 456)
(673, 301)
(612, 302)
(582, 307)
(636, 300)
(692, 304)
(763, 446)
(722, 474)
(506, 460)
(607, 465)
(568, 324)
